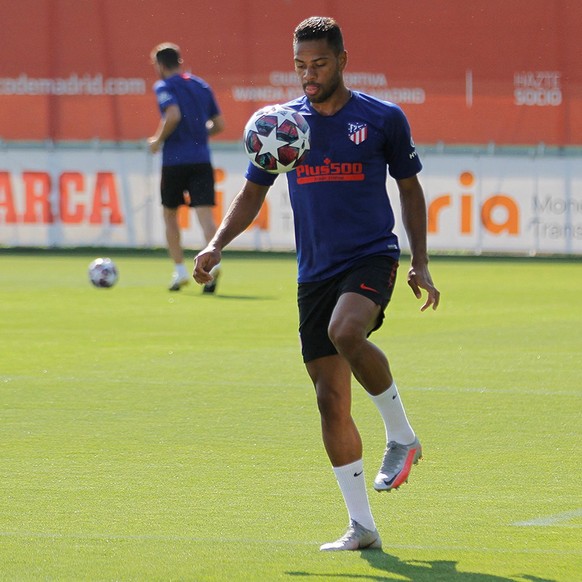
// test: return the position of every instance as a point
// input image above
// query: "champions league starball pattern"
(276, 139)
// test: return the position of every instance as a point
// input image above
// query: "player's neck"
(334, 103)
(167, 73)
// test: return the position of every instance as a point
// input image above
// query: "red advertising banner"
(464, 72)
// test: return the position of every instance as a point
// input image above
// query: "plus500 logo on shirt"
(330, 172)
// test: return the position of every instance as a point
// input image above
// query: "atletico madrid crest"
(358, 132)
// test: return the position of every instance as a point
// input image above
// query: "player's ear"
(343, 59)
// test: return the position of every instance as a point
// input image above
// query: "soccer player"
(347, 257)
(189, 114)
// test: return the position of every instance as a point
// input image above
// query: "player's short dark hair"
(320, 27)
(167, 54)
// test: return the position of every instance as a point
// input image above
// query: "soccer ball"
(276, 139)
(103, 273)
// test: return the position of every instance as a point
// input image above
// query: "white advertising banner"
(504, 203)
(64, 197)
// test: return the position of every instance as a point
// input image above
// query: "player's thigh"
(354, 315)
(205, 214)
(170, 213)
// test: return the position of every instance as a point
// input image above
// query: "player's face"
(319, 69)
(158, 69)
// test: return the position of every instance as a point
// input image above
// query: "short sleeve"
(164, 96)
(401, 154)
(258, 176)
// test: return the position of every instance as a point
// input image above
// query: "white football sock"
(390, 407)
(180, 268)
(351, 482)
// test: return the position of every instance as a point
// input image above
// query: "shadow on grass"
(248, 297)
(416, 571)
(226, 297)
(197, 294)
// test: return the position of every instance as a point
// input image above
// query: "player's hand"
(203, 263)
(154, 145)
(419, 278)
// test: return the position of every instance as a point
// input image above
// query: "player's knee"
(345, 336)
(331, 405)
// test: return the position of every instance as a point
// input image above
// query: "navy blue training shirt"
(340, 203)
(188, 144)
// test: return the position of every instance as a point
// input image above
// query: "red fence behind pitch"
(464, 72)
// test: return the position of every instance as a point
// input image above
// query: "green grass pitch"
(146, 435)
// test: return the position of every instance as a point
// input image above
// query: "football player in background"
(189, 115)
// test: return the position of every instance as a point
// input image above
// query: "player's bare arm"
(215, 125)
(167, 126)
(414, 218)
(240, 215)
